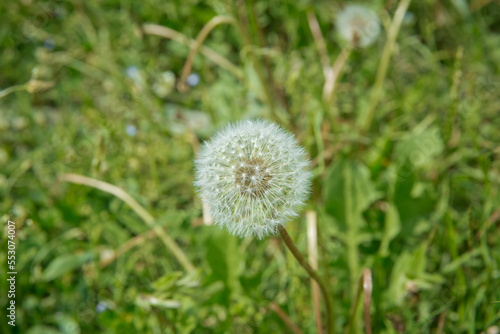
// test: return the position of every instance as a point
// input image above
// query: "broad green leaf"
(410, 268)
(396, 287)
(222, 256)
(411, 208)
(416, 265)
(418, 149)
(348, 191)
(64, 264)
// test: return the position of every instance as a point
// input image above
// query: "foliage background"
(415, 198)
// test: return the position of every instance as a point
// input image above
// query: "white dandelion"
(358, 25)
(253, 175)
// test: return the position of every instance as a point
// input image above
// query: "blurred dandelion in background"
(358, 25)
(253, 175)
(182, 120)
(165, 84)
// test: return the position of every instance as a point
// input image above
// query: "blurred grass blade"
(207, 28)
(315, 28)
(367, 298)
(158, 30)
(392, 34)
(334, 73)
(365, 286)
(312, 250)
(286, 319)
(148, 219)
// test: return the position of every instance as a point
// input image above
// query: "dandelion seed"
(358, 25)
(165, 84)
(265, 190)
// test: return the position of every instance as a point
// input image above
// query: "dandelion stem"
(139, 209)
(313, 274)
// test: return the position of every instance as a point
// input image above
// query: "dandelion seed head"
(262, 185)
(358, 25)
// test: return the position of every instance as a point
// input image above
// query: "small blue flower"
(131, 130)
(49, 44)
(101, 307)
(409, 18)
(193, 79)
(133, 72)
(60, 13)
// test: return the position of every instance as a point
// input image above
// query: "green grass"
(414, 198)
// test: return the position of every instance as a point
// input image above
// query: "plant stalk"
(330, 325)
(186, 70)
(365, 286)
(170, 243)
(384, 63)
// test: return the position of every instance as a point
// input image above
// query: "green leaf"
(167, 281)
(392, 227)
(349, 190)
(64, 264)
(411, 207)
(416, 265)
(419, 149)
(222, 255)
(42, 329)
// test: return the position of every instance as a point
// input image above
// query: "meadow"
(104, 106)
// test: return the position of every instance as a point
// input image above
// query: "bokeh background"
(405, 161)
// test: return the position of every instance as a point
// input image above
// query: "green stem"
(330, 325)
(351, 237)
(384, 62)
(12, 89)
(244, 28)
